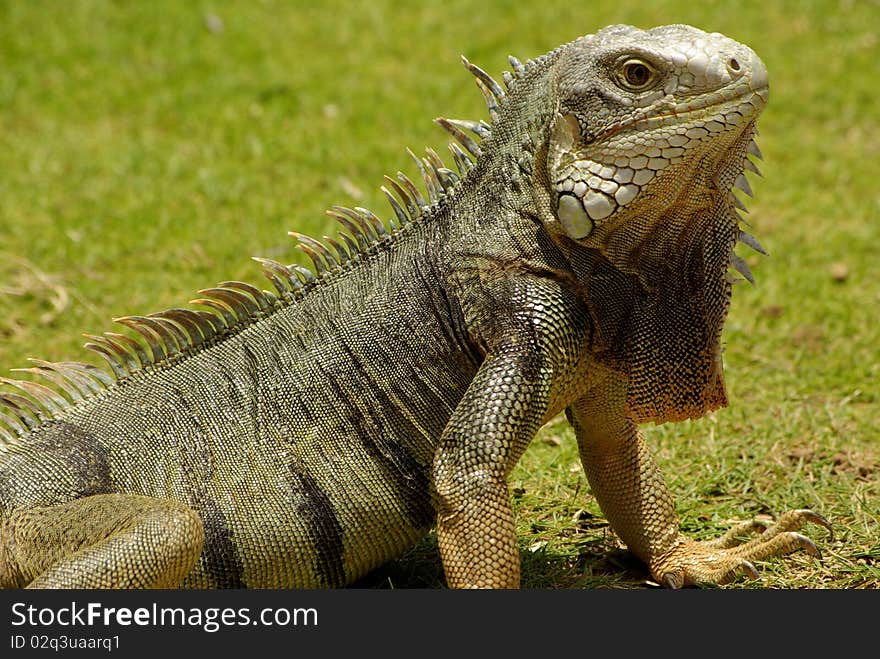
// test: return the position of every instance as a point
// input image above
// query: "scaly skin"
(301, 439)
(634, 188)
(631, 492)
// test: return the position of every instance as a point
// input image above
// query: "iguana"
(577, 260)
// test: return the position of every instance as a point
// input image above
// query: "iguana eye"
(636, 75)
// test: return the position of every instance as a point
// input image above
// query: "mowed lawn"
(148, 150)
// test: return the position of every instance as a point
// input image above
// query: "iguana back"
(303, 438)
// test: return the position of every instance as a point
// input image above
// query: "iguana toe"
(722, 560)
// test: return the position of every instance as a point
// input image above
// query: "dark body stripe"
(71, 458)
(377, 435)
(323, 528)
(220, 557)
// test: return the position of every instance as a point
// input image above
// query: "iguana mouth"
(590, 190)
(747, 104)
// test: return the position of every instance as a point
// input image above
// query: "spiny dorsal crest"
(168, 336)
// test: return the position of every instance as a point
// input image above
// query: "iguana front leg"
(488, 432)
(631, 492)
(101, 541)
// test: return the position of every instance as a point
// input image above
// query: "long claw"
(803, 542)
(723, 559)
(817, 519)
(748, 568)
(795, 519)
(673, 580)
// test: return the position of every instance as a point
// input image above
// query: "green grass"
(144, 156)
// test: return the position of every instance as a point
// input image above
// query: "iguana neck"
(658, 289)
(659, 306)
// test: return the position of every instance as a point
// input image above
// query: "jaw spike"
(752, 167)
(748, 239)
(754, 150)
(742, 183)
(738, 264)
(738, 203)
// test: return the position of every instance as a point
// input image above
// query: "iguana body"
(302, 438)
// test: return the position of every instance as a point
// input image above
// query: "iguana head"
(650, 131)
(642, 116)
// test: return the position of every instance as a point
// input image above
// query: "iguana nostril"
(733, 65)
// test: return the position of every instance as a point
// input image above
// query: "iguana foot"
(721, 560)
